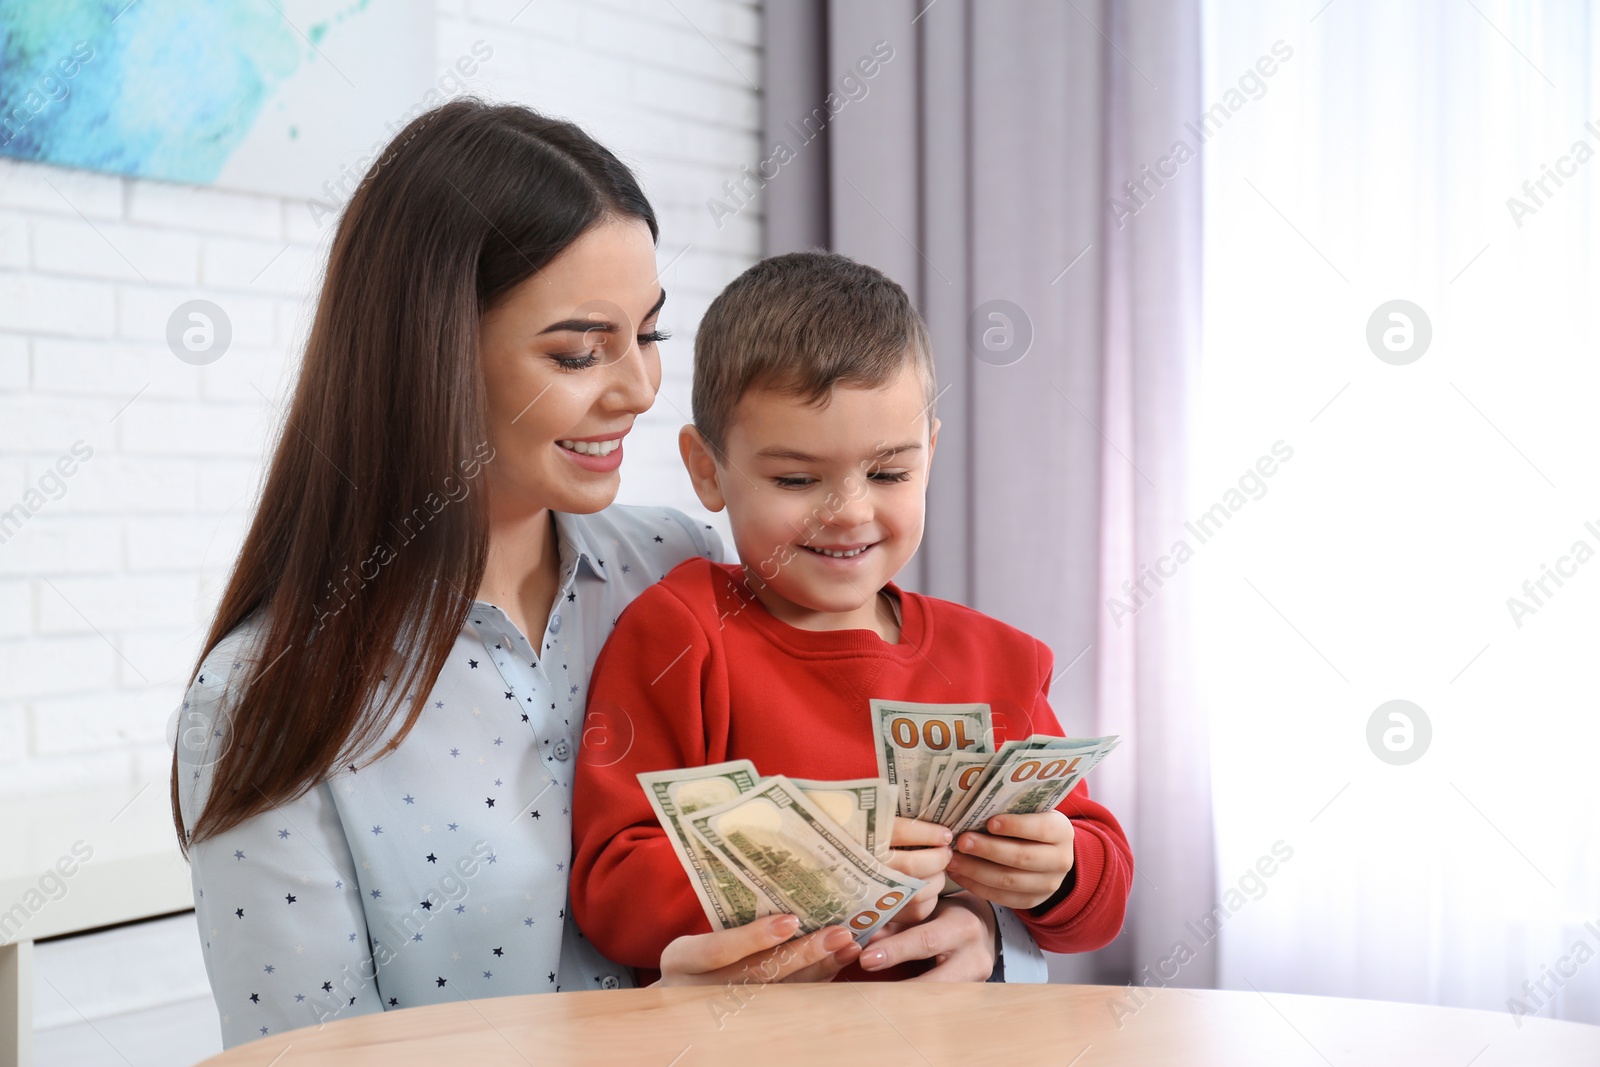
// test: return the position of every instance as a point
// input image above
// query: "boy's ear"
(702, 467)
(933, 442)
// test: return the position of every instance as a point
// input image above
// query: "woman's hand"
(759, 951)
(922, 850)
(960, 938)
(1019, 863)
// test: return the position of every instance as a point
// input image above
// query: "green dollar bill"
(1034, 779)
(802, 861)
(863, 807)
(910, 736)
(676, 794)
(964, 773)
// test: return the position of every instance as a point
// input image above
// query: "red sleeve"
(1091, 914)
(630, 895)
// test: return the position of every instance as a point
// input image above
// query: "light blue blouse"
(439, 872)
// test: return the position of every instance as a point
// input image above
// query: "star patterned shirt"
(439, 872)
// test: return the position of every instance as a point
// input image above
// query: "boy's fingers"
(1017, 900)
(914, 833)
(969, 870)
(1048, 827)
(1023, 855)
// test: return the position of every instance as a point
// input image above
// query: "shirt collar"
(576, 539)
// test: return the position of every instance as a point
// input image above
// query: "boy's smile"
(826, 501)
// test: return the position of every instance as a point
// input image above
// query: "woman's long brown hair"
(388, 421)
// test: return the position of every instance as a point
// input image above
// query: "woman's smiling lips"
(601, 453)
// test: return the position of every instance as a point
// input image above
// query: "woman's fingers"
(824, 969)
(921, 905)
(813, 958)
(914, 833)
(920, 862)
(759, 951)
(697, 956)
(973, 956)
(955, 938)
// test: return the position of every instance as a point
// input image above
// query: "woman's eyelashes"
(585, 360)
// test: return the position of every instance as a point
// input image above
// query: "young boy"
(813, 425)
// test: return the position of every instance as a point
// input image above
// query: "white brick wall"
(105, 592)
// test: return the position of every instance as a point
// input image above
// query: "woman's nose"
(633, 384)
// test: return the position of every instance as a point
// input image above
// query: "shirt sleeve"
(707, 542)
(277, 899)
(1089, 912)
(630, 894)
(1020, 960)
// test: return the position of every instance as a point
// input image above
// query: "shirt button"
(561, 750)
(610, 981)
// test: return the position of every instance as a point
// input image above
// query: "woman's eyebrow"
(585, 325)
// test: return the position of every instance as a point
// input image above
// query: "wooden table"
(885, 1024)
(75, 862)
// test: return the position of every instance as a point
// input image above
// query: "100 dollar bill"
(863, 807)
(911, 736)
(677, 794)
(788, 849)
(1033, 778)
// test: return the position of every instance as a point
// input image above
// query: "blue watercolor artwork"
(243, 93)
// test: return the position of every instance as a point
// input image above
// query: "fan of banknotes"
(755, 846)
(942, 764)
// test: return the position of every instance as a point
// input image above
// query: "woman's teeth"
(837, 554)
(592, 448)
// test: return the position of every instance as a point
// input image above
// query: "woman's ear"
(702, 467)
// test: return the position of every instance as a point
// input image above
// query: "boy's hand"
(922, 850)
(1019, 863)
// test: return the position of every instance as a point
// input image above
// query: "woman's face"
(569, 360)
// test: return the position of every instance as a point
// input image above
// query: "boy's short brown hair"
(802, 323)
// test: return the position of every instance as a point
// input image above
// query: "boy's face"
(805, 483)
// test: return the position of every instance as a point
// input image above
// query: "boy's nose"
(854, 508)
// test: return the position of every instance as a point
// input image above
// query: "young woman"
(375, 755)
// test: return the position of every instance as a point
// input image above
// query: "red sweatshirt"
(697, 671)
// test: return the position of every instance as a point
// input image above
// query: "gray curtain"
(976, 166)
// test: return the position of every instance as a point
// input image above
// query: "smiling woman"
(454, 335)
